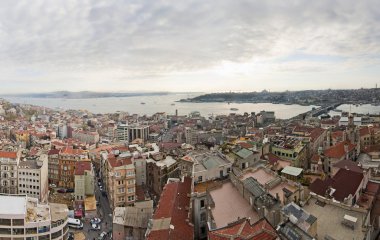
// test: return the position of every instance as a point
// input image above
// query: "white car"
(102, 235)
(96, 220)
(95, 226)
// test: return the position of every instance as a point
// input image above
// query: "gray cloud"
(149, 38)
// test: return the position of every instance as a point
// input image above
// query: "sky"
(188, 45)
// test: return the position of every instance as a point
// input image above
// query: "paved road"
(104, 213)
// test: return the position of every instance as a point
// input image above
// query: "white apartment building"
(128, 133)
(33, 177)
(8, 171)
(23, 217)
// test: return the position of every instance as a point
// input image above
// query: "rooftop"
(330, 219)
(298, 216)
(293, 171)
(12, 204)
(259, 174)
(170, 221)
(230, 205)
(338, 183)
(243, 229)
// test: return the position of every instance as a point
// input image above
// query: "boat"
(234, 109)
(142, 103)
(172, 104)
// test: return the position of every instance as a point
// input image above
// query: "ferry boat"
(234, 109)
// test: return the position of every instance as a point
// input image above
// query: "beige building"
(86, 137)
(8, 171)
(121, 180)
(84, 180)
(24, 217)
(33, 177)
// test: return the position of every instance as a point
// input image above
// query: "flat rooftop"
(12, 205)
(37, 212)
(329, 221)
(260, 175)
(278, 189)
(58, 211)
(230, 205)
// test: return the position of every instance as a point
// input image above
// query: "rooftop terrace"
(230, 205)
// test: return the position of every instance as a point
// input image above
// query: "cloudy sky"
(188, 45)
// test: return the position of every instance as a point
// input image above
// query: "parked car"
(95, 226)
(52, 185)
(70, 190)
(61, 190)
(96, 220)
(102, 236)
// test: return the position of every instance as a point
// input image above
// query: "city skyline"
(188, 46)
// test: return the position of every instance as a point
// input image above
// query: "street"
(104, 213)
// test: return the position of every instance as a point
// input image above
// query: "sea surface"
(168, 103)
(361, 109)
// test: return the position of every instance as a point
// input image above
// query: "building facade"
(24, 217)
(33, 177)
(8, 171)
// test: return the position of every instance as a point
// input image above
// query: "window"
(203, 217)
(131, 198)
(200, 179)
(203, 230)
(131, 190)
(202, 203)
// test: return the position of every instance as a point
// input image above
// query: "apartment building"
(23, 217)
(53, 166)
(84, 180)
(128, 133)
(67, 161)
(86, 137)
(159, 168)
(33, 177)
(121, 180)
(8, 171)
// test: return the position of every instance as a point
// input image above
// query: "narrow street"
(104, 212)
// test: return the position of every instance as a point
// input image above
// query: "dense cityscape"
(169, 176)
(189, 120)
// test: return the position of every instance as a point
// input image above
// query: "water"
(361, 109)
(163, 103)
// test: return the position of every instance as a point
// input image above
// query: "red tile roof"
(81, 167)
(315, 158)
(71, 151)
(53, 151)
(337, 134)
(174, 204)
(242, 229)
(8, 154)
(118, 162)
(337, 151)
(364, 131)
(271, 158)
(245, 145)
(316, 133)
(340, 183)
(349, 165)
